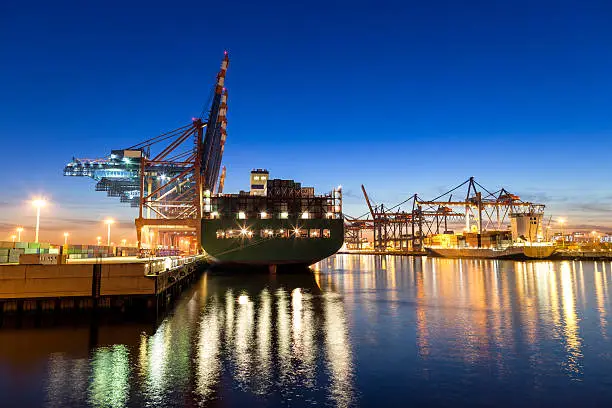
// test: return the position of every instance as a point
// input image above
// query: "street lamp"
(123, 241)
(99, 239)
(66, 238)
(561, 222)
(19, 231)
(38, 203)
(13, 237)
(108, 222)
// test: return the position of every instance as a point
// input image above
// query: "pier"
(111, 283)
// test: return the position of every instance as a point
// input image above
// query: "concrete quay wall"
(90, 280)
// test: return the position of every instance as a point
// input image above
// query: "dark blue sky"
(401, 96)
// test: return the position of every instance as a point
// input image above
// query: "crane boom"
(222, 181)
(365, 194)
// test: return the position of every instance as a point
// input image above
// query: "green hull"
(257, 250)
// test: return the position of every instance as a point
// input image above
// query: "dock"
(103, 283)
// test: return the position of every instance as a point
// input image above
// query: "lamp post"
(66, 238)
(123, 241)
(561, 222)
(108, 222)
(19, 231)
(13, 237)
(99, 239)
(38, 203)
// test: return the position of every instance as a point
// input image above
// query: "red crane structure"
(169, 177)
(399, 230)
(171, 206)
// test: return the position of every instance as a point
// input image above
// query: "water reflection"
(355, 327)
(486, 312)
(208, 363)
(110, 377)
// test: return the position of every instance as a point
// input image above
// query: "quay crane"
(169, 177)
(404, 230)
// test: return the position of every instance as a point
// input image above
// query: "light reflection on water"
(420, 331)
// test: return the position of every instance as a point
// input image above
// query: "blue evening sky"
(401, 96)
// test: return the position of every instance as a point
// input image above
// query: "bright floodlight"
(39, 202)
(109, 222)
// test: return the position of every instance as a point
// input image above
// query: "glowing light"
(305, 215)
(39, 202)
(13, 237)
(284, 215)
(243, 299)
(214, 214)
(244, 231)
(264, 215)
(241, 215)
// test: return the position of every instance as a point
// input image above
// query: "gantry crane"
(172, 186)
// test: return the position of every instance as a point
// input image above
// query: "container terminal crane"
(167, 177)
(174, 180)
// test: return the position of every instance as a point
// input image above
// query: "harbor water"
(358, 331)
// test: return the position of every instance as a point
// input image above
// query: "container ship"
(276, 223)
(522, 241)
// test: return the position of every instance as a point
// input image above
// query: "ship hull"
(263, 251)
(518, 252)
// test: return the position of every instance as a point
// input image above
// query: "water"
(361, 331)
